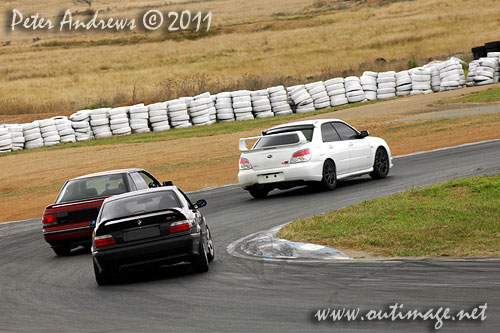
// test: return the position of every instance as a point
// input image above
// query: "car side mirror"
(152, 185)
(200, 204)
(364, 134)
(168, 183)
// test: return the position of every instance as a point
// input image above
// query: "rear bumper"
(74, 235)
(152, 252)
(307, 171)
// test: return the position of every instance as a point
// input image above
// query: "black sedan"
(150, 227)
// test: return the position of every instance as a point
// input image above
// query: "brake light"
(245, 164)
(300, 156)
(180, 226)
(49, 220)
(104, 240)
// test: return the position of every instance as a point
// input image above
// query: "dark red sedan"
(69, 222)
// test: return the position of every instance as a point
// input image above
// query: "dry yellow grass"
(283, 40)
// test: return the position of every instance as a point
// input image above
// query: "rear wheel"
(102, 278)
(381, 164)
(210, 246)
(62, 250)
(329, 180)
(200, 261)
(258, 192)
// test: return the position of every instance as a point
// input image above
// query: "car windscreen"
(92, 187)
(267, 142)
(139, 204)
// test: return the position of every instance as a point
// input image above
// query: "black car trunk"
(140, 227)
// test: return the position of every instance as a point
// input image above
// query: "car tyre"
(258, 192)
(200, 261)
(329, 180)
(102, 278)
(381, 164)
(210, 246)
(62, 250)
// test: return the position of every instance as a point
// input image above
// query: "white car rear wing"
(301, 139)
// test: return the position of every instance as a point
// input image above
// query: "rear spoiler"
(301, 139)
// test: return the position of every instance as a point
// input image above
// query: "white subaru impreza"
(314, 152)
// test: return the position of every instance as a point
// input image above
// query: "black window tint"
(93, 187)
(345, 132)
(270, 141)
(140, 183)
(328, 133)
(307, 131)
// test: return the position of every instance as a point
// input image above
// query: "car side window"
(191, 206)
(148, 178)
(140, 183)
(328, 133)
(345, 132)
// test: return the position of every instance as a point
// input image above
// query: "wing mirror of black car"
(200, 204)
(168, 183)
(364, 134)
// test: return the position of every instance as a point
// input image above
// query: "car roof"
(109, 172)
(306, 122)
(139, 192)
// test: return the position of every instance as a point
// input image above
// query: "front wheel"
(329, 180)
(381, 164)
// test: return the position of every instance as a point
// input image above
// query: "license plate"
(271, 178)
(141, 233)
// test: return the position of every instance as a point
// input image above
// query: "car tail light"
(300, 156)
(180, 226)
(104, 240)
(49, 220)
(245, 164)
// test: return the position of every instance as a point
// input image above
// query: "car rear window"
(139, 204)
(284, 139)
(87, 188)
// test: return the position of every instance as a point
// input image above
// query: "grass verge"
(485, 96)
(459, 218)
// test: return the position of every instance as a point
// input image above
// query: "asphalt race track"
(42, 292)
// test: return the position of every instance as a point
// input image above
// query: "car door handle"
(351, 144)
(330, 146)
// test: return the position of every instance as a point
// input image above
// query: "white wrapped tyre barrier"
(139, 118)
(32, 135)
(420, 80)
(336, 91)
(451, 74)
(224, 107)
(386, 85)
(16, 135)
(353, 90)
(369, 84)
(403, 83)
(80, 122)
(279, 101)
(242, 105)
(261, 104)
(178, 113)
(99, 122)
(301, 99)
(158, 117)
(119, 122)
(5, 140)
(64, 129)
(319, 94)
